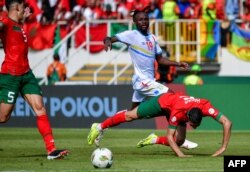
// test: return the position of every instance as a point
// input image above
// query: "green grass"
(23, 150)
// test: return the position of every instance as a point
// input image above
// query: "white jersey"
(143, 50)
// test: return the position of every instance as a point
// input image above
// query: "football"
(102, 158)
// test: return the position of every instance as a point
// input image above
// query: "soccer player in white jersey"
(144, 50)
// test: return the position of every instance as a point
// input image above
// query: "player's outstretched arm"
(164, 61)
(227, 125)
(108, 42)
(172, 143)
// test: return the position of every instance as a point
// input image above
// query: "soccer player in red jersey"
(17, 77)
(179, 110)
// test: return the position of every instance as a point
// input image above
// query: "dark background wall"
(78, 106)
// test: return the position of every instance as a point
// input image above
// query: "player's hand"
(185, 156)
(184, 65)
(27, 12)
(219, 152)
(107, 44)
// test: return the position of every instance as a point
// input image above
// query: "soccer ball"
(102, 158)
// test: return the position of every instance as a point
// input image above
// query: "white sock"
(99, 127)
(153, 141)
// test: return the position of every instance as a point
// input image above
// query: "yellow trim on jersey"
(142, 50)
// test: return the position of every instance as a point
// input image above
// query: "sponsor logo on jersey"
(16, 28)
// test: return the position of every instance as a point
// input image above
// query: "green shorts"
(150, 108)
(11, 85)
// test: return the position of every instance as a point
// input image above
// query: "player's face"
(194, 125)
(20, 11)
(142, 22)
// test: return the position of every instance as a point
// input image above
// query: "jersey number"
(150, 45)
(11, 97)
(188, 99)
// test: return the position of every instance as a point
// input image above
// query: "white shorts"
(147, 88)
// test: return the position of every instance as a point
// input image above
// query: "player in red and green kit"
(16, 76)
(179, 110)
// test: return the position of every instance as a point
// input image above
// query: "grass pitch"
(22, 149)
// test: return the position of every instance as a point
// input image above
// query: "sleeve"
(174, 120)
(209, 110)
(125, 37)
(158, 49)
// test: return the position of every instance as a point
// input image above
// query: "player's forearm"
(174, 146)
(164, 61)
(227, 125)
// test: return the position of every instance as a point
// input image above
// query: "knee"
(130, 116)
(4, 119)
(40, 109)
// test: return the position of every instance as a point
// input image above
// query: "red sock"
(45, 130)
(118, 118)
(162, 140)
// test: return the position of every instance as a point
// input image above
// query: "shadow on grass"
(32, 156)
(147, 152)
(38, 157)
(201, 154)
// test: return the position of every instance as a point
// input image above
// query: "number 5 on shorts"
(10, 97)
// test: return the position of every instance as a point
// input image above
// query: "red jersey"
(179, 105)
(15, 46)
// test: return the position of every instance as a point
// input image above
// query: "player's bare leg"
(5, 112)
(96, 131)
(43, 125)
(134, 105)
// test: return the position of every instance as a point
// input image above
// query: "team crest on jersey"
(16, 28)
(173, 119)
(211, 111)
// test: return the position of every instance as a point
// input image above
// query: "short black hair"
(8, 3)
(134, 13)
(195, 115)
